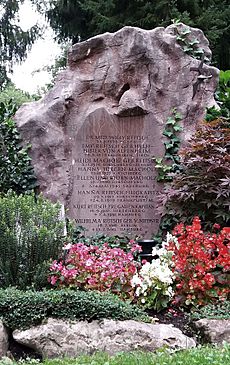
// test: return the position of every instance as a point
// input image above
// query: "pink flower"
(53, 280)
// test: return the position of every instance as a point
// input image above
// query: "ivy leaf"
(171, 121)
(177, 116)
(199, 51)
(158, 160)
(175, 140)
(185, 31)
(177, 128)
(168, 145)
(168, 156)
(167, 133)
(193, 42)
(180, 38)
(187, 49)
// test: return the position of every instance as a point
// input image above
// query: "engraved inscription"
(115, 189)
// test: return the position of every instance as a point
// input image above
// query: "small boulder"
(3, 340)
(214, 330)
(58, 338)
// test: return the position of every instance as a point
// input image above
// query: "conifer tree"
(80, 19)
(14, 42)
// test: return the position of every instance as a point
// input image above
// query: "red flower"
(196, 257)
(216, 226)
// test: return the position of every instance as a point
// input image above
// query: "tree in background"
(14, 42)
(80, 19)
(17, 96)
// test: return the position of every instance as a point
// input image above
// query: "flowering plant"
(201, 263)
(153, 283)
(96, 268)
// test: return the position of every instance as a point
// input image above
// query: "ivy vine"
(170, 162)
(189, 45)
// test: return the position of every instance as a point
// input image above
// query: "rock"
(3, 340)
(58, 338)
(94, 135)
(214, 330)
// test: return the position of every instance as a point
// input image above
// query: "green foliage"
(18, 97)
(189, 193)
(202, 188)
(22, 309)
(16, 171)
(31, 233)
(222, 97)
(219, 310)
(189, 45)
(223, 93)
(78, 234)
(14, 42)
(85, 18)
(171, 161)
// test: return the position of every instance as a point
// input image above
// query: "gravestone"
(115, 189)
(96, 132)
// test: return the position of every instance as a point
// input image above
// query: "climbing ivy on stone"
(16, 171)
(170, 162)
(189, 46)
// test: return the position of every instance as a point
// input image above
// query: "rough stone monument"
(94, 135)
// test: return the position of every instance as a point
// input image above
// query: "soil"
(177, 318)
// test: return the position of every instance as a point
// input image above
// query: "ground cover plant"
(198, 356)
(219, 310)
(23, 309)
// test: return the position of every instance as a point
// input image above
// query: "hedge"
(23, 309)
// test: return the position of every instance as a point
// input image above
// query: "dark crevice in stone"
(18, 351)
(121, 92)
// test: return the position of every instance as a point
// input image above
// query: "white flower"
(142, 300)
(144, 287)
(170, 238)
(154, 251)
(136, 280)
(169, 291)
(67, 247)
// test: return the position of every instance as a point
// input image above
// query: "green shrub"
(16, 171)
(219, 310)
(18, 96)
(22, 309)
(31, 233)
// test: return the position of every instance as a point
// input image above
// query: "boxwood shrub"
(23, 309)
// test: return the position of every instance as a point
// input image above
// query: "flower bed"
(192, 268)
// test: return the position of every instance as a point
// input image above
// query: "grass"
(199, 356)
